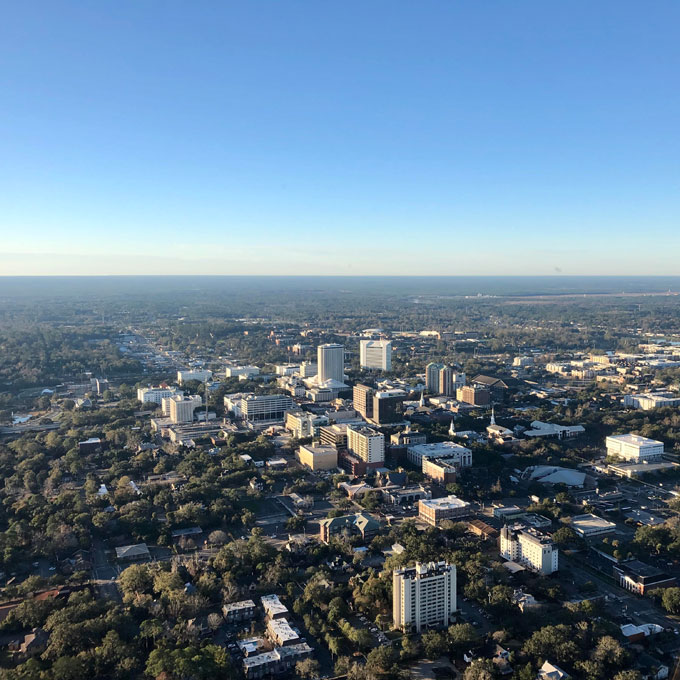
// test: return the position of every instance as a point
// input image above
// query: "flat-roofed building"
(476, 396)
(634, 448)
(319, 457)
(375, 354)
(641, 578)
(276, 662)
(334, 435)
(156, 394)
(273, 607)
(651, 400)
(435, 510)
(423, 596)
(459, 455)
(367, 444)
(589, 525)
(239, 611)
(281, 633)
(439, 470)
(182, 408)
(529, 547)
(193, 374)
(432, 373)
(303, 425)
(331, 362)
(260, 408)
(553, 431)
(244, 371)
(388, 407)
(362, 396)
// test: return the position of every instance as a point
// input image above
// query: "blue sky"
(380, 137)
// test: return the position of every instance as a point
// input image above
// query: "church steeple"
(422, 398)
(493, 416)
(452, 429)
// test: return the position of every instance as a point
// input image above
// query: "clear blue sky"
(372, 137)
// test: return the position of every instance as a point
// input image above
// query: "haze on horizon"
(385, 138)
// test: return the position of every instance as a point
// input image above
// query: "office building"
(634, 449)
(303, 425)
(259, 408)
(308, 369)
(439, 470)
(461, 456)
(641, 578)
(334, 435)
(182, 408)
(331, 363)
(424, 596)
(647, 402)
(432, 373)
(200, 375)
(242, 371)
(529, 547)
(590, 526)
(435, 510)
(376, 354)
(388, 407)
(476, 396)
(318, 457)
(450, 381)
(362, 396)
(366, 444)
(156, 394)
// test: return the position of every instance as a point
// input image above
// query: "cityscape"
(339, 341)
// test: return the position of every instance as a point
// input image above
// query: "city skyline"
(340, 140)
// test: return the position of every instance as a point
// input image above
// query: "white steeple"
(452, 429)
(422, 398)
(493, 416)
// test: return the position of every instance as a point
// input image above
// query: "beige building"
(182, 408)
(367, 444)
(319, 457)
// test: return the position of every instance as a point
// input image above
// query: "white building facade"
(423, 596)
(331, 362)
(376, 354)
(634, 448)
(529, 547)
(367, 444)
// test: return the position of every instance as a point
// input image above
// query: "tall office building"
(376, 354)
(432, 377)
(331, 362)
(182, 408)
(388, 407)
(367, 444)
(423, 596)
(450, 381)
(362, 396)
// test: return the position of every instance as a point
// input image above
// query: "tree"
(380, 659)
(307, 668)
(628, 675)
(434, 644)
(671, 600)
(135, 579)
(609, 652)
(462, 636)
(217, 537)
(480, 669)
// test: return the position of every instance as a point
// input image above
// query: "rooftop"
(446, 503)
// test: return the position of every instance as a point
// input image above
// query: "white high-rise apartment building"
(156, 394)
(528, 546)
(376, 354)
(367, 444)
(331, 362)
(182, 408)
(634, 448)
(201, 376)
(423, 596)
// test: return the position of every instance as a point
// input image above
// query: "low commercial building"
(239, 611)
(439, 471)
(589, 526)
(318, 457)
(459, 455)
(633, 470)
(553, 431)
(334, 435)
(436, 510)
(641, 578)
(652, 400)
(529, 547)
(133, 553)
(634, 449)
